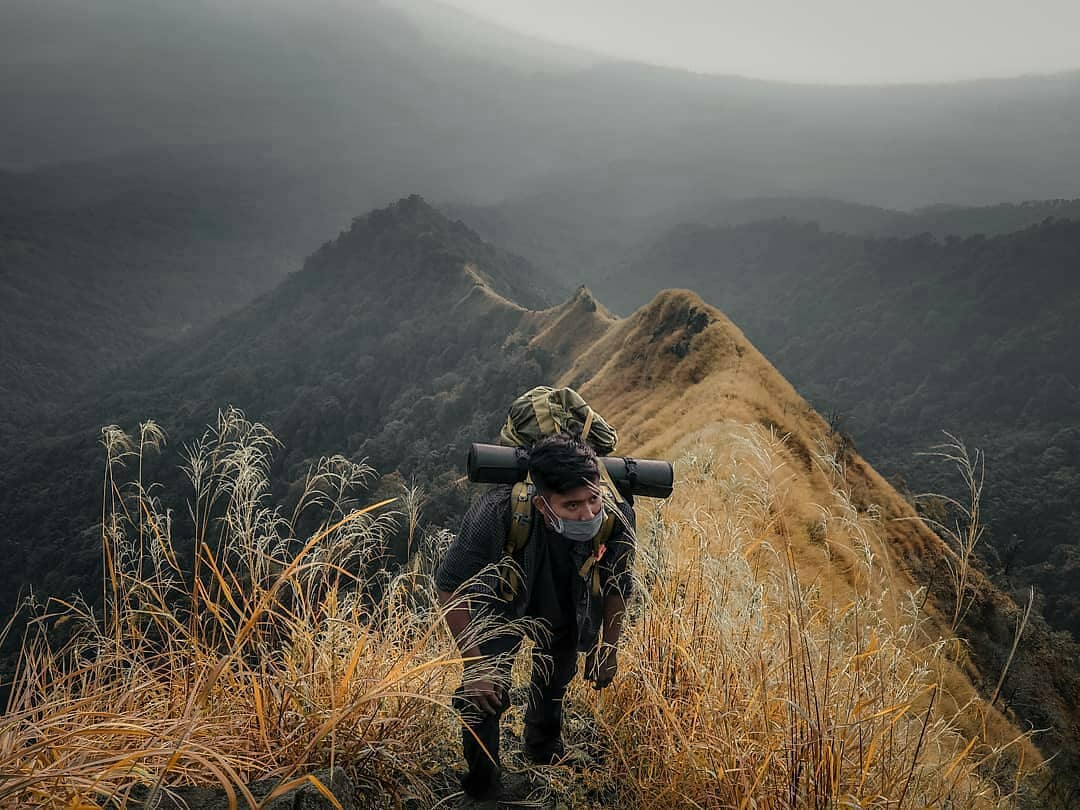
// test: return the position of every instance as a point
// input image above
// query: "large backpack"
(544, 411)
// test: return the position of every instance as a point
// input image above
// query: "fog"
(416, 96)
(833, 41)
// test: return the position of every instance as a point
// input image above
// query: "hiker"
(576, 587)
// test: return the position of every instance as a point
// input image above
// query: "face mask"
(579, 531)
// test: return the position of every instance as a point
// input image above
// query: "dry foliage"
(266, 655)
(741, 686)
(274, 657)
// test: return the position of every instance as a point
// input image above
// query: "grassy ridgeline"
(738, 681)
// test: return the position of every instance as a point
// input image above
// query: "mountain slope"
(904, 338)
(678, 370)
(396, 342)
(401, 341)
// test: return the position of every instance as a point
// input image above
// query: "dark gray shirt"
(547, 561)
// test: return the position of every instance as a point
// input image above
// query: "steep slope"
(677, 370)
(904, 338)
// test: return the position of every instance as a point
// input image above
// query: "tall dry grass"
(260, 654)
(742, 686)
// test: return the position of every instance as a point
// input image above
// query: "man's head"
(565, 473)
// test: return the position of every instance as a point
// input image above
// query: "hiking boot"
(522, 789)
(547, 755)
(467, 802)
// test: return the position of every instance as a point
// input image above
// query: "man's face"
(581, 503)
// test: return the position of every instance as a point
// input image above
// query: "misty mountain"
(395, 342)
(585, 237)
(363, 87)
(205, 147)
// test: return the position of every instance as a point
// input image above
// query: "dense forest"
(583, 233)
(901, 338)
(382, 347)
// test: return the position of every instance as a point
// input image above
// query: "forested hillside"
(384, 346)
(902, 338)
(583, 231)
(102, 262)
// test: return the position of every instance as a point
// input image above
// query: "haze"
(829, 41)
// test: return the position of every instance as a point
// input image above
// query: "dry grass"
(277, 657)
(739, 685)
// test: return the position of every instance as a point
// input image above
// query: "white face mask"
(579, 531)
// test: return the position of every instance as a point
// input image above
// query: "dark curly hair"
(560, 463)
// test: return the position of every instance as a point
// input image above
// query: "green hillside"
(391, 344)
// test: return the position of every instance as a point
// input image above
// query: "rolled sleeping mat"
(496, 464)
(645, 477)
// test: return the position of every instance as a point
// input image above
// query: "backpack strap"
(517, 535)
(608, 490)
(592, 565)
(588, 424)
(544, 418)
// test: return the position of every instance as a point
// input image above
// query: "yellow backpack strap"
(542, 409)
(517, 536)
(607, 486)
(588, 424)
(600, 542)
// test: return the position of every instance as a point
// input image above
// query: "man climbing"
(572, 574)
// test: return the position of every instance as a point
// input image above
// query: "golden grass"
(273, 660)
(263, 655)
(741, 687)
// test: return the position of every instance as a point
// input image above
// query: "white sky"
(844, 41)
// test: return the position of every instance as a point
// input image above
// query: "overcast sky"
(844, 41)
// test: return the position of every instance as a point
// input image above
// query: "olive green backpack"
(544, 411)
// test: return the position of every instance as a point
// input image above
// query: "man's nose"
(589, 511)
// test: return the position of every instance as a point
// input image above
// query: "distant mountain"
(396, 341)
(582, 236)
(384, 93)
(989, 220)
(903, 338)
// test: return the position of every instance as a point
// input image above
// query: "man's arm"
(478, 544)
(614, 610)
(481, 691)
(602, 664)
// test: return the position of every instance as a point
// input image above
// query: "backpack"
(544, 411)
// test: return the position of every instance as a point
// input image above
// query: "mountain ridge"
(346, 356)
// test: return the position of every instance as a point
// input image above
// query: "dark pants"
(554, 665)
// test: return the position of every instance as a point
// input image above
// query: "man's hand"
(601, 664)
(485, 695)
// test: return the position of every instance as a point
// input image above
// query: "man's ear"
(544, 509)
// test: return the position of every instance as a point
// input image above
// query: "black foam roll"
(645, 477)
